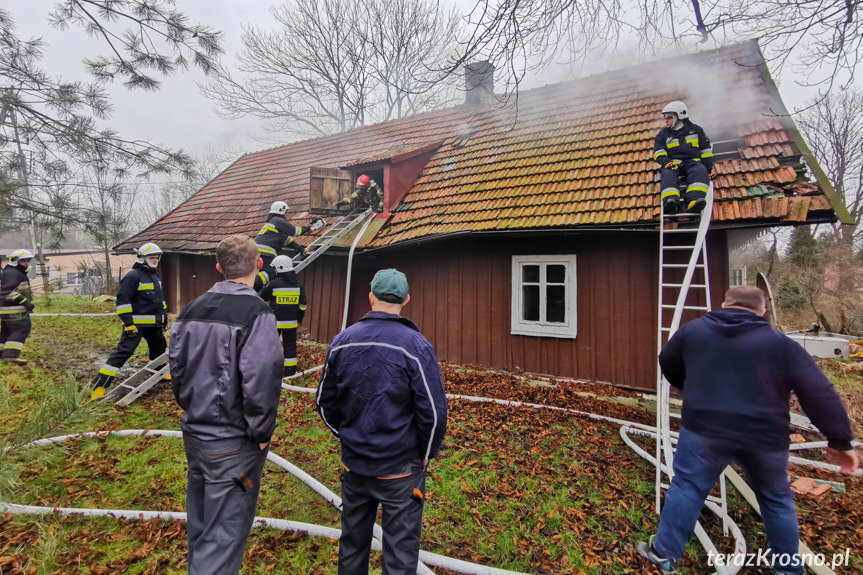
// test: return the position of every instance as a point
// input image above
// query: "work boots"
(14, 361)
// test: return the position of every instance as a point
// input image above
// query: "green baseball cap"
(390, 285)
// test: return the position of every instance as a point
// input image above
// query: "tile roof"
(572, 154)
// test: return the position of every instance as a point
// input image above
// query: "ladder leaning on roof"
(141, 381)
(695, 282)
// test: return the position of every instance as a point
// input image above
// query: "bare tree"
(335, 65)
(833, 126)
(822, 37)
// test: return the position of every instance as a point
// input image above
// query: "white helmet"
(146, 251)
(677, 108)
(18, 255)
(283, 264)
(279, 208)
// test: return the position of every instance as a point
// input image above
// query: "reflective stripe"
(672, 143)
(14, 345)
(125, 308)
(692, 139)
(697, 187)
(287, 296)
(109, 370)
(164, 305)
(290, 361)
(286, 324)
(11, 309)
(696, 159)
(264, 277)
(659, 153)
(707, 152)
(145, 286)
(286, 290)
(144, 319)
(270, 228)
(302, 308)
(266, 250)
(669, 192)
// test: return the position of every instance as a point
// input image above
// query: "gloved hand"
(343, 202)
(317, 223)
(712, 174)
(131, 330)
(28, 305)
(670, 166)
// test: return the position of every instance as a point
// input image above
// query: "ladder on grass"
(684, 286)
(143, 380)
(336, 232)
(139, 382)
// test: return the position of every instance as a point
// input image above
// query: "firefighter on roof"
(141, 307)
(277, 237)
(682, 147)
(15, 306)
(367, 193)
(287, 298)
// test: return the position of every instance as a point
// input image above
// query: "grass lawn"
(516, 488)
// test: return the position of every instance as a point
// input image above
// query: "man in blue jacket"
(381, 393)
(737, 374)
(226, 363)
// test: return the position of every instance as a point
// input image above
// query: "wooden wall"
(460, 298)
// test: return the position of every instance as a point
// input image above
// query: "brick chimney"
(478, 83)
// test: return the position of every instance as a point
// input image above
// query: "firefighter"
(141, 306)
(367, 193)
(683, 147)
(287, 298)
(276, 237)
(15, 306)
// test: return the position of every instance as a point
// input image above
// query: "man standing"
(15, 306)
(227, 371)
(287, 298)
(381, 393)
(683, 147)
(737, 374)
(141, 307)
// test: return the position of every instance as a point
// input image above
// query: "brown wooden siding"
(460, 298)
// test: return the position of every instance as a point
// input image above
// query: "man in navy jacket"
(381, 393)
(737, 374)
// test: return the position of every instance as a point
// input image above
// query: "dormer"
(395, 172)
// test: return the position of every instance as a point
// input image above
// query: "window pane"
(530, 303)
(555, 274)
(555, 308)
(530, 274)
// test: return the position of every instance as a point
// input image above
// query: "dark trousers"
(696, 177)
(402, 518)
(289, 346)
(13, 334)
(125, 348)
(224, 481)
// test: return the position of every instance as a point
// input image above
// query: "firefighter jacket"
(15, 295)
(287, 298)
(381, 393)
(140, 300)
(276, 234)
(372, 195)
(689, 143)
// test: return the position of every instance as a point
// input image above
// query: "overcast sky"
(177, 115)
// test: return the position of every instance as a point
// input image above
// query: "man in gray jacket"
(226, 364)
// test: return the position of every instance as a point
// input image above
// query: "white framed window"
(73, 279)
(736, 276)
(543, 296)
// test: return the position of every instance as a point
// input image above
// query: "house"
(528, 232)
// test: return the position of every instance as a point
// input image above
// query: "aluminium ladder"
(152, 373)
(683, 287)
(139, 382)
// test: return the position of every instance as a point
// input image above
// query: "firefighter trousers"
(13, 334)
(125, 348)
(697, 180)
(289, 346)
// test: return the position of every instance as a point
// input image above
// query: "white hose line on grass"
(281, 524)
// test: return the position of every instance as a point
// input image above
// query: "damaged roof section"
(563, 156)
